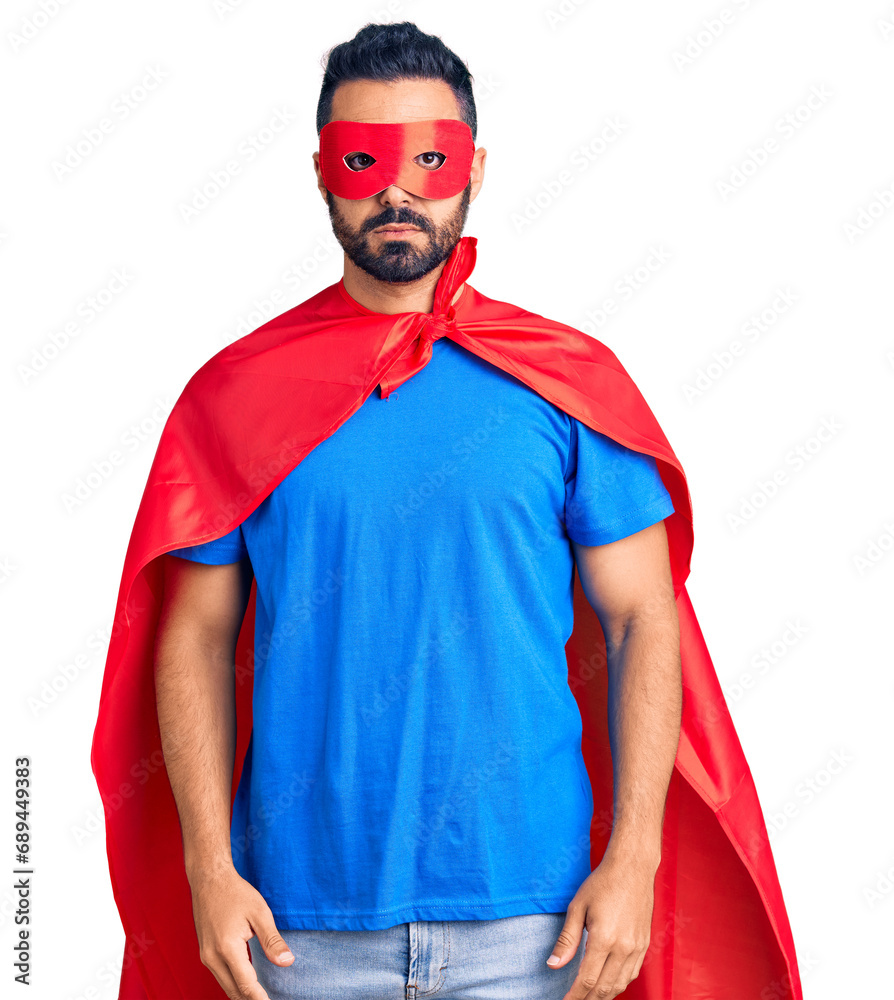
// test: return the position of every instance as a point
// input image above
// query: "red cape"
(244, 420)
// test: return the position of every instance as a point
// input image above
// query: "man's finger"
(221, 973)
(241, 976)
(638, 961)
(588, 974)
(568, 940)
(269, 938)
(612, 976)
(630, 970)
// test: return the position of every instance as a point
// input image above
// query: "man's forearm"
(644, 712)
(195, 691)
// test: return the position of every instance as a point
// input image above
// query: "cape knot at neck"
(437, 326)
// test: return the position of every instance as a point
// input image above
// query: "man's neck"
(393, 297)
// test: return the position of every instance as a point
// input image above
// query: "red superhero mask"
(360, 159)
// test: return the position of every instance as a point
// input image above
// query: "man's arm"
(201, 616)
(630, 587)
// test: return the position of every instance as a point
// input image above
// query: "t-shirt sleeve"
(611, 491)
(229, 548)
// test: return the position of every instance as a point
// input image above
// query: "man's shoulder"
(571, 340)
(294, 322)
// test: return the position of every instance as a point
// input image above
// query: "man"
(413, 812)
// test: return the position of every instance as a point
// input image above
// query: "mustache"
(397, 216)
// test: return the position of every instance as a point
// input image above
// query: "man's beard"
(400, 260)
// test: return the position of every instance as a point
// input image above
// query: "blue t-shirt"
(416, 749)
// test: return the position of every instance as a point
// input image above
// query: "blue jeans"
(502, 959)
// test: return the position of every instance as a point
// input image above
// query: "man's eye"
(425, 160)
(359, 161)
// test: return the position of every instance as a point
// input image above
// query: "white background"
(814, 218)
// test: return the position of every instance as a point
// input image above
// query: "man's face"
(435, 225)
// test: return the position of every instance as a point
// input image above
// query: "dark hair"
(391, 52)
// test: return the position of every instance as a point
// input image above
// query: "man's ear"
(477, 173)
(321, 187)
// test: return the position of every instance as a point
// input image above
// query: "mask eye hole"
(358, 161)
(427, 164)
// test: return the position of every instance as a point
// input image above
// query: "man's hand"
(615, 905)
(228, 911)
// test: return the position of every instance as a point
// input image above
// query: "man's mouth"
(397, 229)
